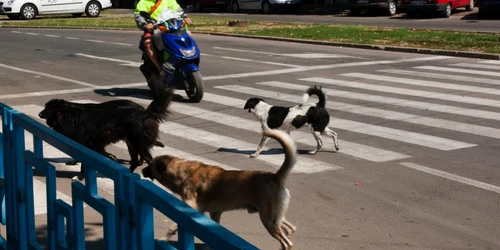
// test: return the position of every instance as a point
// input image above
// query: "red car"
(412, 7)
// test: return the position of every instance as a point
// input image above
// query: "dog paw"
(312, 152)
(253, 156)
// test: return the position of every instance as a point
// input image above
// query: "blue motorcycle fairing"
(175, 41)
(190, 67)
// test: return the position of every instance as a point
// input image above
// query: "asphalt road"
(460, 20)
(418, 166)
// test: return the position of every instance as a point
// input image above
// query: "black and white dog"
(295, 117)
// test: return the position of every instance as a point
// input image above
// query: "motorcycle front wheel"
(194, 89)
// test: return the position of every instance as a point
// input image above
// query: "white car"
(29, 9)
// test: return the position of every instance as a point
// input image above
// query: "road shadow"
(97, 244)
(135, 92)
(474, 17)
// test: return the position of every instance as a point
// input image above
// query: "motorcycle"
(180, 49)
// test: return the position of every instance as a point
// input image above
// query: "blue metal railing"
(127, 224)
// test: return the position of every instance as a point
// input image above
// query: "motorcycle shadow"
(135, 92)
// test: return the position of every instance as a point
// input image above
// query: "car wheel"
(447, 12)
(392, 8)
(28, 12)
(93, 9)
(235, 7)
(266, 7)
(470, 7)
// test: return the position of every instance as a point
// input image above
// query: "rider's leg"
(167, 66)
(150, 50)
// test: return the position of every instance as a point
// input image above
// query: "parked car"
(488, 8)
(444, 7)
(390, 7)
(29, 9)
(265, 6)
(199, 5)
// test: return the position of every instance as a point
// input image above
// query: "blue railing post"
(131, 210)
(10, 187)
(186, 239)
(145, 227)
(19, 170)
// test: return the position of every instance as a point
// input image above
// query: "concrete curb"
(466, 54)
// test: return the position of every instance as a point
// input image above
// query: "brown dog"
(215, 190)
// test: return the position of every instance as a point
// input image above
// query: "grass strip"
(404, 37)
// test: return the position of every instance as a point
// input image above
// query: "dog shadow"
(271, 151)
(135, 92)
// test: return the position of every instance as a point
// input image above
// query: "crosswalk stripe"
(441, 76)
(220, 141)
(415, 82)
(397, 116)
(364, 128)
(403, 91)
(457, 70)
(452, 177)
(479, 66)
(349, 148)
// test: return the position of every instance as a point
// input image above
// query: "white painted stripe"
(304, 165)
(124, 62)
(457, 70)
(363, 128)
(70, 91)
(48, 75)
(441, 76)
(94, 41)
(452, 177)
(263, 62)
(479, 66)
(403, 91)
(490, 62)
(124, 44)
(349, 148)
(397, 116)
(29, 33)
(51, 36)
(304, 55)
(17, 32)
(415, 82)
(72, 38)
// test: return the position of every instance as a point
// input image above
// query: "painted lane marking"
(452, 177)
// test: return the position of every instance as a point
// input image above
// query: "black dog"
(97, 128)
(108, 105)
(291, 118)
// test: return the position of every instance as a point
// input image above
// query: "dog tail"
(162, 98)
(290, 153)
(315, 91)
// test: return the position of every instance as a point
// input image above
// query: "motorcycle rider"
(152, 37)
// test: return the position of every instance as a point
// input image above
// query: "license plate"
(417, 2)
(363, 1)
